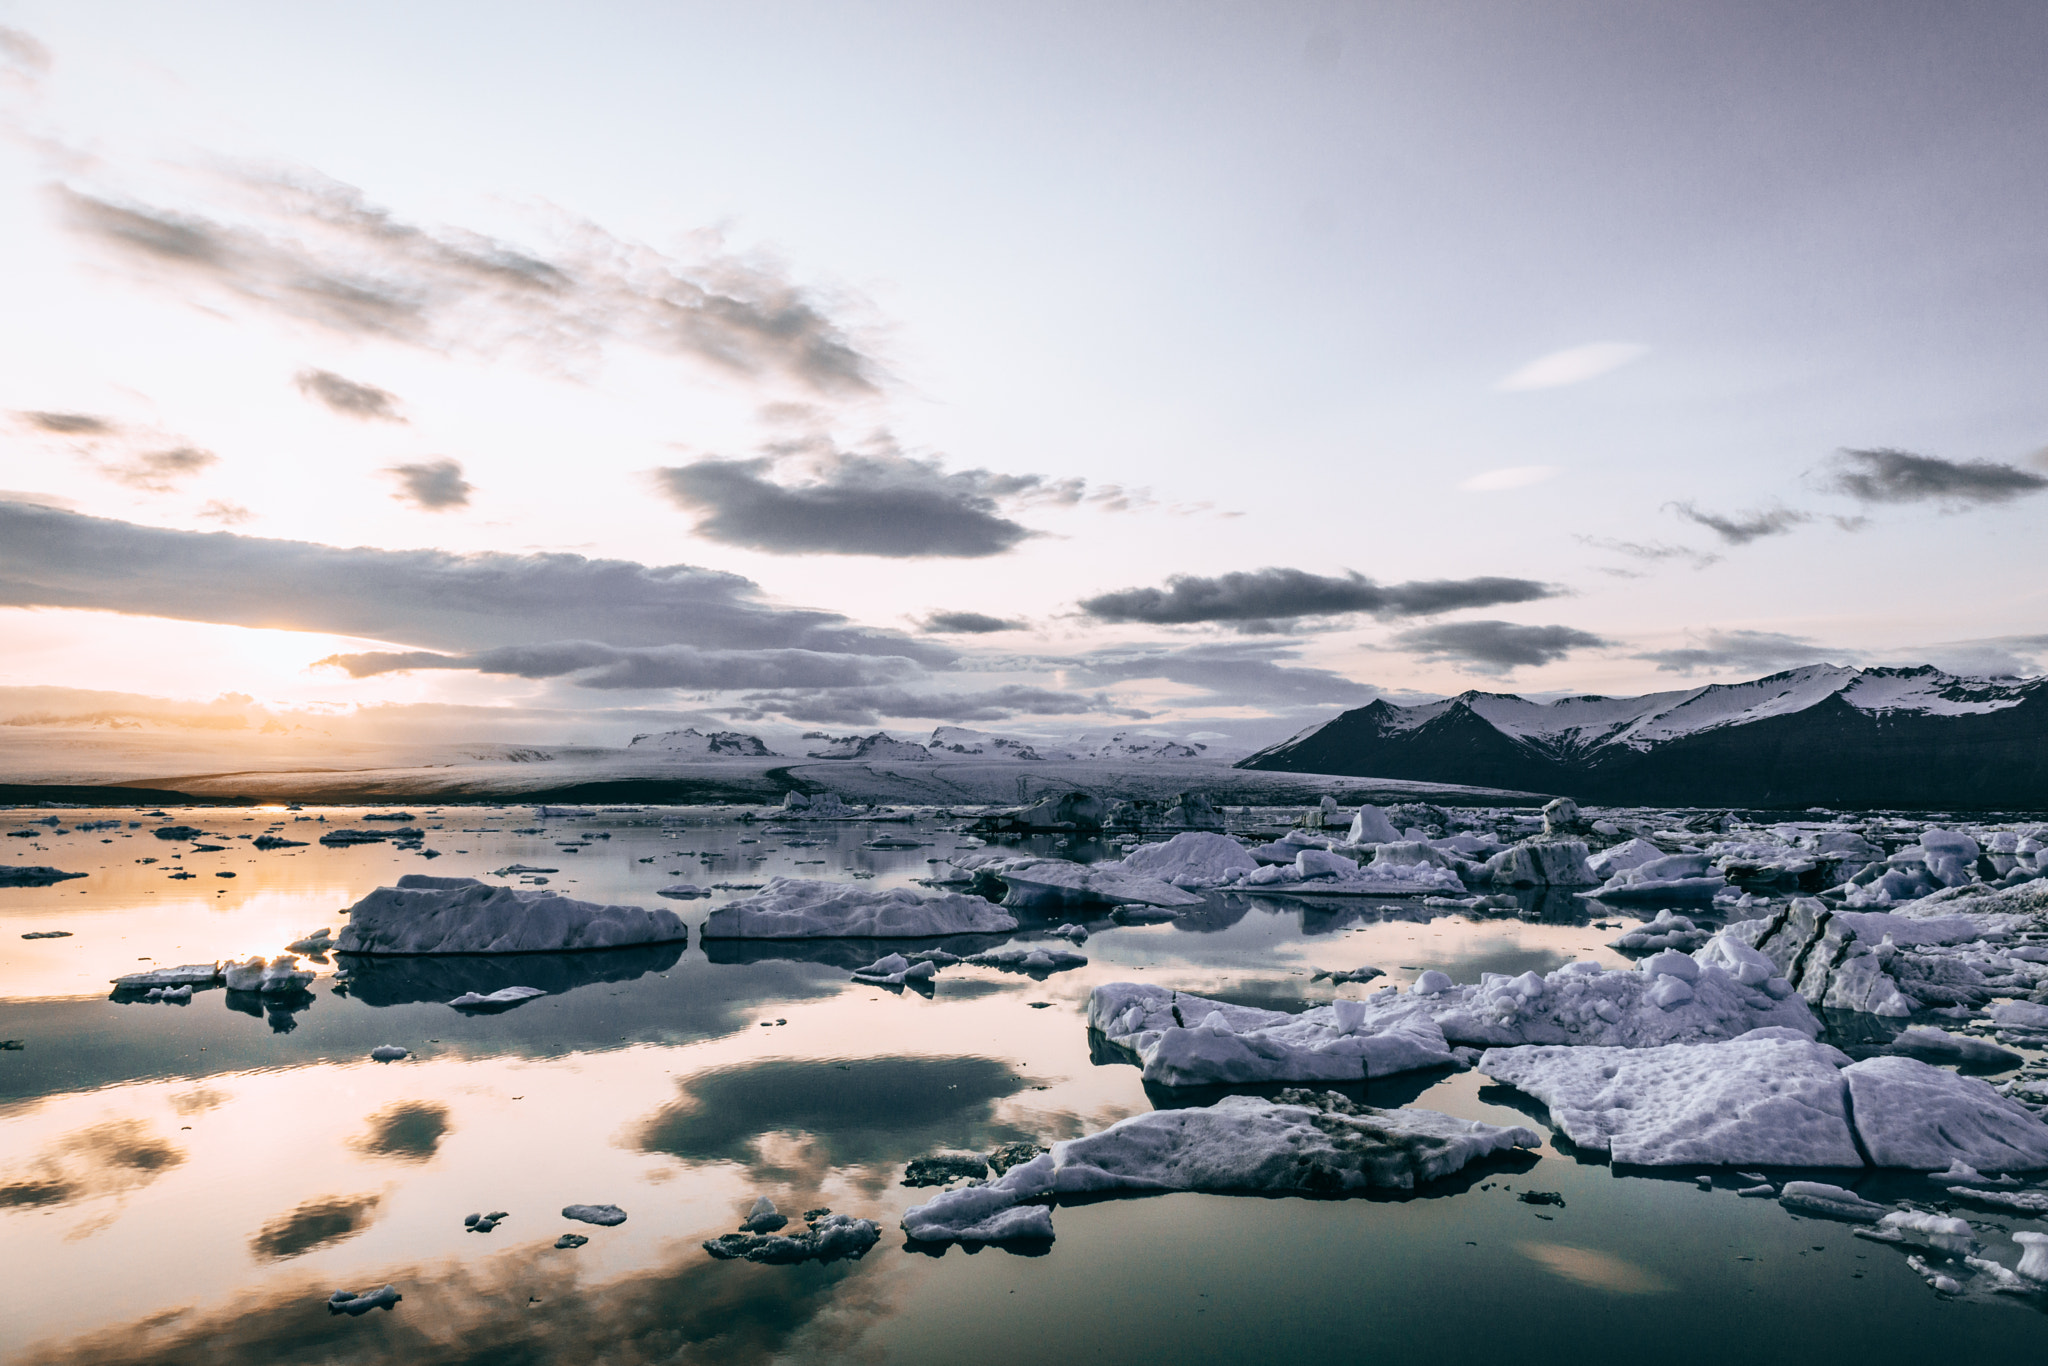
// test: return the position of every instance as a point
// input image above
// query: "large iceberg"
(1300, 1142)
(1673, 877)
(1197, 859)
(1772, 1097)
(1183, 1040)
(1049, 884)
(462, 915)
(1911, 1114)
(805, 908)
(1541, 863)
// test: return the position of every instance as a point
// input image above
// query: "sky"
(1198, 368)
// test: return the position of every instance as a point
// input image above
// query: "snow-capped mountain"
(696, 744)
(1823, 735)
(958, 742)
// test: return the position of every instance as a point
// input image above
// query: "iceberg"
(605, 1216)
(894, 970)
(804, 908)
(1300, 1142)
(502, 999)
(280, 976)
(1769, 1098)
(1668, 931)
(191, 974)
(428, 915)
(1028, 958)
(1622, 857)
(1196, 859)
(1824, 1201)
(1541, 863)
(1913, 1115)
(1056, 884)
(1183, 1040)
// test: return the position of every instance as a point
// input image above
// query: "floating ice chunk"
(1822, 947)
(1917, 1228)
(1338, 978)
(2033, 1256)
(169, 995)
(191, 974)
(603, 1215)
(484, 1223)
(1911, 1115)
(830, 1238)
(1541, 863)
(1028, 958)
(1765, 1191)
(1047, 884)
(571, 1240)
(389, 1052)
(2024, 1202)
(1674, 877)
(942, 1169)
(429, 915)
(1820, 1199)
(1077, 933)
(1197, 858)
(802, 908)
(1299, 1142)
(1938, 1045)
(351, 1303)
(1667, 931)
(502, 998)
(1583, 1003)
(319, 941)
(682, 891)
(1622, 857)
(894, 970)
(1183, 1040)
(1371, 826)
(279, 976)
(1431, 983)
(1772, 1100)
(1941, 1281)
(762, 1217)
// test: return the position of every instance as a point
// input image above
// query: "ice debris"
(941, 1169)
(571, 1240)
(801, 908)
(1183, 1040)
(1045, 884)
(1340, 977)
(1910, 1114)
(319, 941)
(388, 1052)
(484, 1223)
(1824, 1201)
(1674, 877)
(1028, 958)
(763, 1217)
(826, 1238)
(683, 891)
(191, 974)
(894, 970)
(501, 999)
(1923, 1229)
(169, 995)
(1930, 1044)
(603, 1215)
(351, 1303)
(1668, 931)
(279, 976)
(431, 915)
(1299, 1142)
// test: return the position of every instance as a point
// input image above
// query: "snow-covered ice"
(1183, 1040)
(1668, 931)
(501, 998)
(1054, 884)
(1910, 1114)
(1773, 1097)
(1299, 1142)
(805, 908)
(1194, 859)
(894, 970)
(279, 976)
(432, 915)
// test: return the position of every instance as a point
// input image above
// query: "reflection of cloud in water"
(198, 1100)
(1497, 956)
(105, 1159)
(315, 1224)
(842, 953)
(1594, 1270)
(862, 1112)
(410, 1131)
(520, 1307)
(378, 981)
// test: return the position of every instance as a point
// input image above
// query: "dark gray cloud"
(159, 471)
(888, 505)
(869, 706)
(1265, 600)
(1742, 528)
(1233, 673)
(317, 251)
(1889, 476)
(1494, 645)
(434, 486)
(589, 664)
(1757, 651)
(69, 424)
(430, 599)
(347, 397)
(968, 623)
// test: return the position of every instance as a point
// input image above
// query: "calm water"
(191, 1183)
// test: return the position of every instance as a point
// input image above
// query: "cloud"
(22, 50)
(1514, 477)
(867, 707)
(69, 424)
(1991, 657)
(1651, 550)
(968, 623)
(347, 397)
(1573, 366)
(430, 599)
(853, 504)
(1494, 646)
(1742, 528)
(159, 471)
(1266, 600)
(590, 664)
(1232, 673)
(227, 514)
(1889, 476)
(317, 251)
(432, 487)
(1754, 651)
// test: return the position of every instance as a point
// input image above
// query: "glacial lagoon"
(192, 1182)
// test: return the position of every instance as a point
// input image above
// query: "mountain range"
(1822, 735)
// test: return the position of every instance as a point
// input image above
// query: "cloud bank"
(1495, 645)
(1752, 651)
(1272, 599)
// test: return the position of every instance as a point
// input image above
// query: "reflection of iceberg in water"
(381, 981)
(841, 953)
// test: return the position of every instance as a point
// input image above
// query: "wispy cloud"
(226, 513)
(1514, 477)
(69, 424)
(591, 664)
(1743, 527)
(434, 486)
(868, 706)
(347, 397)
(1889, 476)
(1715, 651)
(1572, 366)
(319, 252)
(1651, 551)
(1251, 674)
(1274, 599)
(159, 471)
(1494, 646)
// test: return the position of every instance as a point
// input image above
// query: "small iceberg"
(804, 908)
(353, 1304)
(504, 998)
(605, 1216)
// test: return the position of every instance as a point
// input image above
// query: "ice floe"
(502, 999)
(802, 908)
(1028, 958)
(1914, 1115)
(1195, 859)
(1668, 931)
(428, 915)
(319, 941)
(683, 891)
(190, 974)
(352, 1303)
(1674, 877)
(605, 1216)
(894, 970)
(1043, 885)
(278, 976)
(1830, 1202)
(827, 1237)
(1184, 1040)
(1300, 1142)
